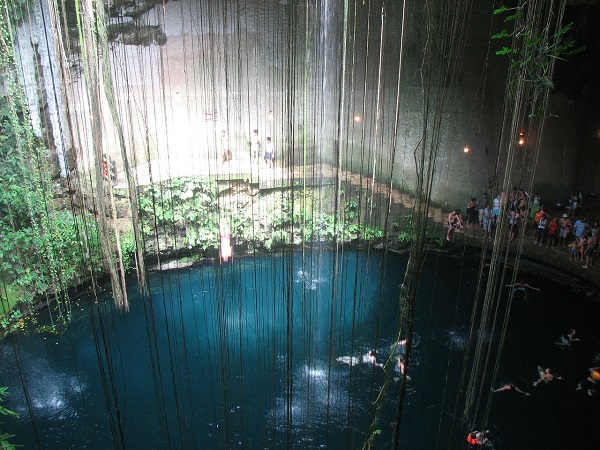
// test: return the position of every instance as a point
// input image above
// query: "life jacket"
(471, 439)
(595, 375)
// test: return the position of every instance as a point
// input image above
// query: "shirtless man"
(521, 286)
(589, 250)
(565, 229)
(401, 362)
(454, 223)
(371, 358)
(511, 388)
(546, 376)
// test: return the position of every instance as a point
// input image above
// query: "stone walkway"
(244, 170)
(553, 259)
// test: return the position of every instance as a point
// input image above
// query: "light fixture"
(357, 118)
(521, 139)
(466, 149)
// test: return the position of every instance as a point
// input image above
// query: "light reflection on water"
(208, 355)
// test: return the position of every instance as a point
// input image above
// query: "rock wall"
(283, 69)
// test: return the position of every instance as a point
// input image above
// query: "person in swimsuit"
(590, 384)
(546, 376)
(401, 363)
(369, 358)
(521, 286)
(454, 223)
(589, 250)
(510, 387)
(568, 338)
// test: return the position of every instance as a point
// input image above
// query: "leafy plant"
(532, 49)
(4, 437)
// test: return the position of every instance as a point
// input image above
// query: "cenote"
(245, 355)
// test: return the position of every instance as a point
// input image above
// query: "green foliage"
(184, 206)
(127, 241)
(532, 51)
(350, 209)
(41, 250)
(403, 226)
(15, 8)
(4, 437)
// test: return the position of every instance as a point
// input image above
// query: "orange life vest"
(471, 439)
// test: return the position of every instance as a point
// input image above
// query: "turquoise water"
(244, 356)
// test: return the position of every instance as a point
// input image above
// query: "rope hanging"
(345, 159)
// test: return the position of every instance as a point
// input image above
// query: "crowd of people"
(563, 228)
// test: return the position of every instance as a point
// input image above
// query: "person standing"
(225, 147)
(589, 250)
(552, 233)
(565, 229)
(542, 230)
(496, 208)
(579, 227)
(513, 224)
(486, 221)
(482, 203)
(255, 146)
(269, 153)
(472, 212)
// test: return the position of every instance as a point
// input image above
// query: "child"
(581, 243)
(573, 251)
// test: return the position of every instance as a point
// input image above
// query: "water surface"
(245, 356)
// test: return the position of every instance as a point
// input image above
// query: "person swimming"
(568, 338)
(369, 358)
(478, 438)
(401, 364)
(590, 384)
(521, 286)
(510, 387)
(546, 376)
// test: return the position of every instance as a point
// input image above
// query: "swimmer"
(521, 286)
(590, 384)
(511, 388)
(369, 358)
(478, 437)
(401, 363)
(567, 339)
(546, 376)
